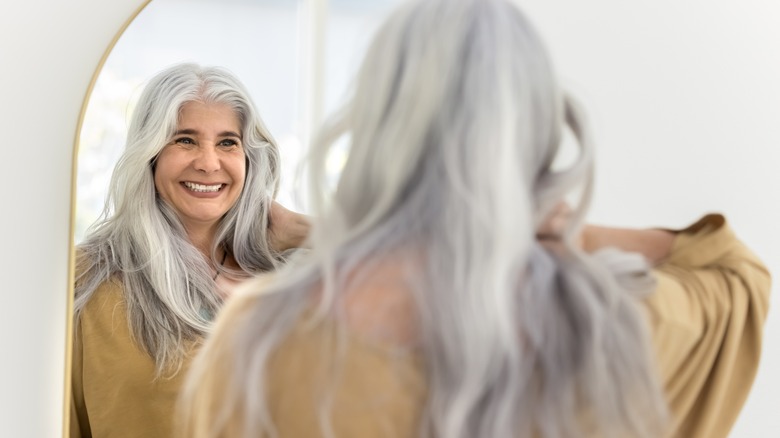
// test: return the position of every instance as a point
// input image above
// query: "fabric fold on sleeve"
(707, 316)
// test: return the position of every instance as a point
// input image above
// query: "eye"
(184, 141)
(229, 143)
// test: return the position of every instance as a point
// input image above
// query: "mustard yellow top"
(706, 316)
(114, 389)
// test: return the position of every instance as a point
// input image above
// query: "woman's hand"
(555, 223)
(286, 229)
(653, 244)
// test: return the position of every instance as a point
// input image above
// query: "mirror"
(294, 57)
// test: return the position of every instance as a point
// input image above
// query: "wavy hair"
(139, 240)
(454, 124)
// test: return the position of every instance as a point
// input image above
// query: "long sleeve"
(707, 316)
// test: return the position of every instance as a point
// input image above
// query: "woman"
(187, 218)
(443, 297)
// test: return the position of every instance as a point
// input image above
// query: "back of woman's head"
(453, 126)
(454, 123)
(455, 98)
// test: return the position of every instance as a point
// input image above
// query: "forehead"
(204, 115)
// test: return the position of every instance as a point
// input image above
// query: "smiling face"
(201, 172)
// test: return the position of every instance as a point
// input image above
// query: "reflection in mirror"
(149, 283)
(256, 40)
(271, 45)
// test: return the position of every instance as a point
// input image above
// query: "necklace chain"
(222, 263)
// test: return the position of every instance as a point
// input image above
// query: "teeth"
(201, 188)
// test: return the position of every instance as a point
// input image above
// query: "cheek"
(240, 170)
(162, 170)
(157, 176)
(159, 185)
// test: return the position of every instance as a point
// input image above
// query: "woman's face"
(201, 172)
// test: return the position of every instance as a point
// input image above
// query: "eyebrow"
(195, 132)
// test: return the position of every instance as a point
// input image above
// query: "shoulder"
(711, 242)
(707, 272)
(379, 303)
(373, 390)
(366, 351)
(374, 302)
(106, 309)
(376, 390)
(108, 292)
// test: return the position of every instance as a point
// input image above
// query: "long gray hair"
(140, 241)
(454, 124)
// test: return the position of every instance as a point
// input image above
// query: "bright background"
(683, 96)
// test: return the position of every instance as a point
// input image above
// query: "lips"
(202, 188)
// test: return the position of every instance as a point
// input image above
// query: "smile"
(202, 188)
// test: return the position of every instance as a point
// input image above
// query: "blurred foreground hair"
(453, 127)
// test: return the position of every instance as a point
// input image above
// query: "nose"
(207, 160)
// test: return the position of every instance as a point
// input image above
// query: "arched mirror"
(295, 57)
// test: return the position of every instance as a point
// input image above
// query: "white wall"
(48, 52)
(683, 95)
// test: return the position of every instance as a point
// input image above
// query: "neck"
(202, 238)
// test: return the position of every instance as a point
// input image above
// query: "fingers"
(555, 224)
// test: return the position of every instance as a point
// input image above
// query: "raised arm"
(287, 229)
(654, 244)
(706, 315)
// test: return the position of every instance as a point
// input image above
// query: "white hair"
(140, 241)
(454, 123)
